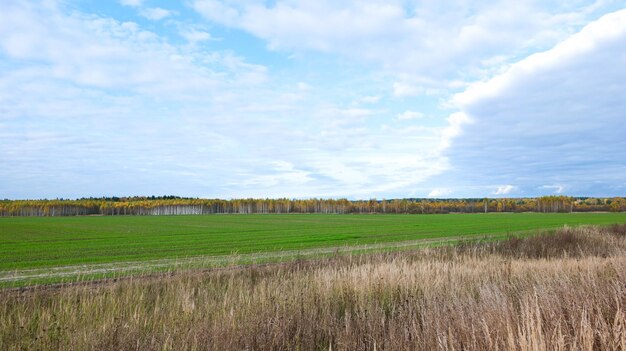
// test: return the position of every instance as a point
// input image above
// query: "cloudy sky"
(298, 98)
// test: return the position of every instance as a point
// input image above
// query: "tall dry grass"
(565, 291)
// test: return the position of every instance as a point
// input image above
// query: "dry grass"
(553, 292)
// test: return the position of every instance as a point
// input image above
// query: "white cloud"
(111, 103)
(557, 188)
(456, 121)
(155, 13)
(505, 189)
(411, 40)
(554, 117)
(440, 192)
(132, 3)
(195, 36)
(302, 86)
(402, 89)
(409, 115)
(87, 99)
(352, 112)
(101, 52)
(283, 174)
(369, 99)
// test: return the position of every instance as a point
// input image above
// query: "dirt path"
(126, 268)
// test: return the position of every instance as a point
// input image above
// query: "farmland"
(49, 242)
(561, 291)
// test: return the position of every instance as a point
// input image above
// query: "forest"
(173, 205)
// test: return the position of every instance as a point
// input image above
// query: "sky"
(300, 99)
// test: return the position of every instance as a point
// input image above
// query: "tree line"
(172, 205)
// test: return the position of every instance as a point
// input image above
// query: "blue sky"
(288, 98)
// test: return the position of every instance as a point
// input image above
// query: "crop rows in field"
(29, 242)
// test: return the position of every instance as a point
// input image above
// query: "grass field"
(42, 242)
(561, 291)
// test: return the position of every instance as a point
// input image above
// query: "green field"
(40, 242)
